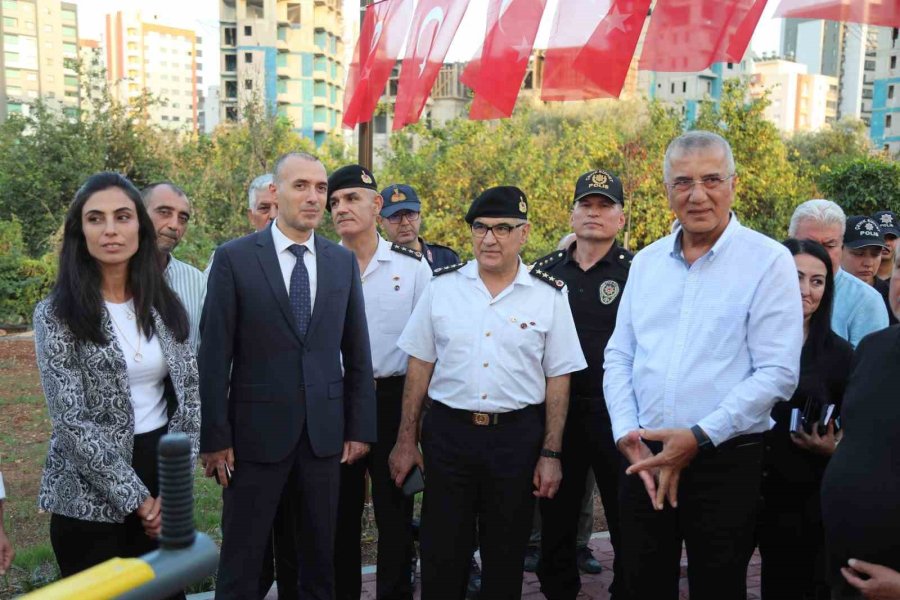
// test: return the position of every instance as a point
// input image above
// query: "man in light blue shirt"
(858, 308)
(707, 339)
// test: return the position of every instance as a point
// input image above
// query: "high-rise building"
(689, 90)
(798, 100)
(842, 50)
(212, 109)
(884, 126)
(148, 56)
(287, 57)
(36, 39)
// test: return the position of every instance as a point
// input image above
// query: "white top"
(392, 285)
(190, 286)
(715, 343)
(492, 354)
(287, 260)
(145, 376)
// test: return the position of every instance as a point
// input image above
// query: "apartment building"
(798, 100)
(37, 37)
(149, 56)
(286, 56)
(884, 126)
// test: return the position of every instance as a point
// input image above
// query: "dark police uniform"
(398, 197)
(482, 436)
(438, 256)
(588, 442)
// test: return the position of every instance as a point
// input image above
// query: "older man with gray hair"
(707, 340)
(858, 308)
(263, 207)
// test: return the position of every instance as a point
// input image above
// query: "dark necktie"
(301, 305)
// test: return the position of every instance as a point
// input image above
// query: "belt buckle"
(481, 419)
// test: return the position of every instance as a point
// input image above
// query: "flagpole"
(365, 129)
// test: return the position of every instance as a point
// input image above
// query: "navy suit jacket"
(252, 350)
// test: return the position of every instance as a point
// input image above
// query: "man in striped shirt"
(170, 211)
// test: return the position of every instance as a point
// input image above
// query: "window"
(281, 86)
(231, 89)
(11, 57)
(248, 57)
(320, 39)
(890, 91)
(893, 62)
(281, 60)
(319, 89)
(255, 9)
(12, 73)
(69, 31)
(68, 15)
(730, 66)
(293, 14)
(10, 22)
(887, 121)
(673, 87)
(14, 107)
(70, 49)
(282, 34)
(231, 114)
(10, 40)
(231, 62)
(10, 4)
(684, 86)
(13, 90)
(248, 84)
(248, 30)
(230, 36)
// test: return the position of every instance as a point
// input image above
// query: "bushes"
(23, 280)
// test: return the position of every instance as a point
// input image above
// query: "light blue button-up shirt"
(715, 343)
(858, 308)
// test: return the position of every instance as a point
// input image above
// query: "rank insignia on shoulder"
(550, 260)
(548, 278)
(407, 251)
(448, 269)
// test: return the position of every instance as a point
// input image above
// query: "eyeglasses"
(710, 182)
(501, 230)
(396, 218)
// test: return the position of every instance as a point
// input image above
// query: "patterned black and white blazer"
(88, 473)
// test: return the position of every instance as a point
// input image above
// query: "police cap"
(397, 197)
(600, 182)
(887, 220)
(863, 231)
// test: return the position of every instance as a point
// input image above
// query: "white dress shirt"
(392, 284)
(715, 343)
(287, 260)
(492, 354)
(189, 284)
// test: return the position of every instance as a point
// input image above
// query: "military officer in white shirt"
(493, 345)
(394, 278)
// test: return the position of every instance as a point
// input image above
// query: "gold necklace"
(138, 357)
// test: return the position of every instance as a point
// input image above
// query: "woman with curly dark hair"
(117, 374)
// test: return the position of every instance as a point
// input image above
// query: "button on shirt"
(287, 260)
(392, 285)
(715, 343)
(858, 308)
(594, 296)
(492, 354)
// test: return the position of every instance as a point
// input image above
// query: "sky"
(203, 17)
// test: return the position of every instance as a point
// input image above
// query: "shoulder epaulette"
(407, 251)
(550, 260)
(448, 269)
(547, 278)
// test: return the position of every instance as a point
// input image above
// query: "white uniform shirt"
(392, 285)
(492, 354)
(287, 260)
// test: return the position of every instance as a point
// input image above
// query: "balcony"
(283, 72)
(282, 46)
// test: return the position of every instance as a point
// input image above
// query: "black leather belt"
(483, 419)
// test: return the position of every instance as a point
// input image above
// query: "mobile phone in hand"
(227, 474)
(414, 482)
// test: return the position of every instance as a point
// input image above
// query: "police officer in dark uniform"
(594, 268)
(401, 217)
(887, 222)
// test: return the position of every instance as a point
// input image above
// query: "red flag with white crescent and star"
(380, 40)
(590, 48)
(434, 24)
(691, 35)
(884, 13)
(496, 76)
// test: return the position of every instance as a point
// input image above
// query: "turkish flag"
(691, 35)
(885, 13)
(496, 76)
(434, 24)
(590, 48)
(380, 39)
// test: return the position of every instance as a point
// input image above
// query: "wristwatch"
(547, 453)
(704, 444)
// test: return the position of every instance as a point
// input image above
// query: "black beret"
(350, 176)
(502, 201)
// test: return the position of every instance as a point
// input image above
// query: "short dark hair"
(276, 170)
(76, 296)
(820, 322)
(148, 190)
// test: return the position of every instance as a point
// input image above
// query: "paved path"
(593, 587)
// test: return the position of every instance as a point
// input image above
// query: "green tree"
(863, 185)
(769, 186)
(843, 141)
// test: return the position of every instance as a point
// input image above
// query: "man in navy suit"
(286, 383)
